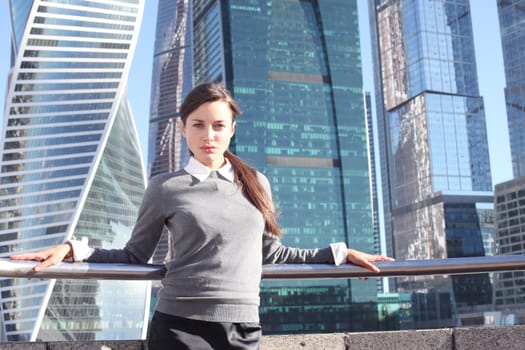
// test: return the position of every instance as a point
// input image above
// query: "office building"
(296, 73)
(511, 17)
(372, 166)
(509, 197)
(394, 310)
(509, 287)
(435, 169)
(71, 165)
(171, 80)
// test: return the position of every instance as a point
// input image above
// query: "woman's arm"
(72, 251)
(276, 253)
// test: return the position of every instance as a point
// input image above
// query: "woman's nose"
(209, 134)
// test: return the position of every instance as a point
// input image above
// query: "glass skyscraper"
(372, 166)
(509, 197)
(71, 165)
(171, 81)
(435, 168)
(509, 287)
(511, 17)
(295, 69)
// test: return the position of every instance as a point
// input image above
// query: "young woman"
(221, 218)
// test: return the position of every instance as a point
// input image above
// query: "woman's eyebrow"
(202, 120)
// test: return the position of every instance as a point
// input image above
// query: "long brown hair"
(245, 175)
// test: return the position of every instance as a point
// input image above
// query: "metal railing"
(112, 271)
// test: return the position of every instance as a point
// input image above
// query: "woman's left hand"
(365, 260)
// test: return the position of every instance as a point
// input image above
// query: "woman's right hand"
(48, 257)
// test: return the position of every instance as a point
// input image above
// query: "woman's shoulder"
(171, 178)
(263, 180)
(261, 176)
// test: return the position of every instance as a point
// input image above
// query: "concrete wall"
(479, 338)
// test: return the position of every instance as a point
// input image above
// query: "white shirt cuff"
(81, 251)
(340, 252)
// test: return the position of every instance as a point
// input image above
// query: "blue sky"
(488, 56)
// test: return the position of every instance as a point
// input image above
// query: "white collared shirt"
(201, 171)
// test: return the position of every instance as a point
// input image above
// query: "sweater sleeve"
(276, 253)
(144, 237)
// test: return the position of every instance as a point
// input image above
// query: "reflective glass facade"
(171, 80)
(372, 167)
(71, 165)
(509, 200)
(296, 74)
(433, 140)
(511, 19)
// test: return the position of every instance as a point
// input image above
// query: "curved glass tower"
(71, 165)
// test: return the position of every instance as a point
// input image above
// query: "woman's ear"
(233, 127)
(182, 128)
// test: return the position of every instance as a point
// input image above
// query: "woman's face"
(208, 131)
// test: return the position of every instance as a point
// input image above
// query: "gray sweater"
(219, 244)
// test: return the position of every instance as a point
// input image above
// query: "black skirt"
(174, 333)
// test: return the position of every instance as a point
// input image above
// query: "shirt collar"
(201, 172)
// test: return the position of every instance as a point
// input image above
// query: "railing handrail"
(114, 271)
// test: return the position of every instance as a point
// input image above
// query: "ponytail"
(246, 178)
